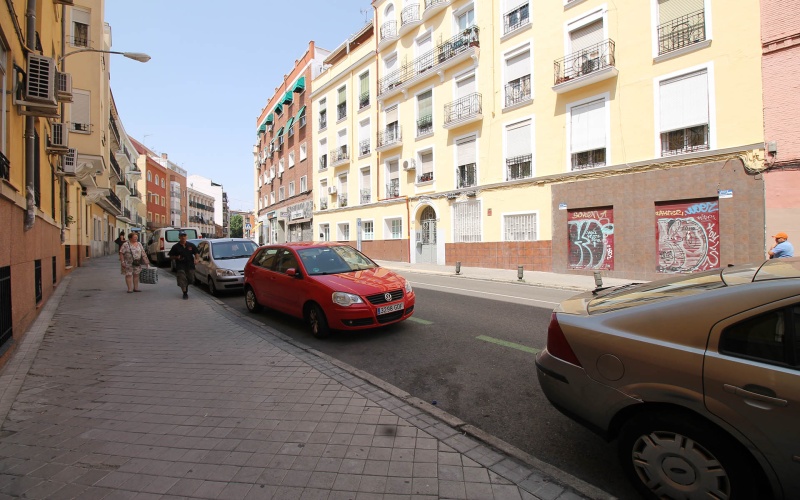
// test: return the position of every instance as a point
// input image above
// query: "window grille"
(520, 227)
(467, 217)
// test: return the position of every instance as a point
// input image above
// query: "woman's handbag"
(148, 276)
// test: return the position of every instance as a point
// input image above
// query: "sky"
(214, 66)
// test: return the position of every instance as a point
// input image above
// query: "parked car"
(698, 376)
(222, 261)
(162, 239)
(332, 286)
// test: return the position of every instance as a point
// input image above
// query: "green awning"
(262, 128)
(299, 85)
(278, 108)
(279, 132)
(287, 98)
(289, 123)
(300, 113)
(270, 118)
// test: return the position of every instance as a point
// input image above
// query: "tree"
(236, 226)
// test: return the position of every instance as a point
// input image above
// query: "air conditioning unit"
(58, 138)
(63, 87)
(409, 164)
(70, 161)
(40, 84)
(331, 189)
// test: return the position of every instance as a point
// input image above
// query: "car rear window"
(172, 234)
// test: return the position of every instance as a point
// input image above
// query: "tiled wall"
(532, 255)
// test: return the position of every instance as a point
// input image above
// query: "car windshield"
(334, 260)
(233, 249)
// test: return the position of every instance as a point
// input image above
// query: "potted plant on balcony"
(471, 35)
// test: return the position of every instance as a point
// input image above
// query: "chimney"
(164, 155)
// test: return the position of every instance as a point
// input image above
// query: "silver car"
(697, 376)
(222, 261)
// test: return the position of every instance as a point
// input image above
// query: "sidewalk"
(144, 395)
(577, 282)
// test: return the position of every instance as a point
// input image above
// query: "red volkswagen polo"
(332, 286)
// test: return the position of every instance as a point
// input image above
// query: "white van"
(162, 239)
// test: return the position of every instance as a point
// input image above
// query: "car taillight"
(161, 240)
(557, 344)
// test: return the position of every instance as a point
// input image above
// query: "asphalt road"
(469, 349)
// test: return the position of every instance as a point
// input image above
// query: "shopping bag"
(148, 276)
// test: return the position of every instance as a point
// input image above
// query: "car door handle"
(744, 393)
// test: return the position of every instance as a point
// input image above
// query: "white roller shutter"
(424, 45)
(684, 101)
(586, 36)
(427, 162)
(363, 131)
(466, 151)
(669, 10)
(466, 86)
(518, 139)
(518, 66)
(81, 110)
(391, 114)
(588, 129)
(514, 4)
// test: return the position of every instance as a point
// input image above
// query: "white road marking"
(415, 283)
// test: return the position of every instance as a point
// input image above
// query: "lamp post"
(136, 56)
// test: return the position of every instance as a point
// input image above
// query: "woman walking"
(132, 258)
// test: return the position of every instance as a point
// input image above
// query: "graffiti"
(591, 240)
(687, 242)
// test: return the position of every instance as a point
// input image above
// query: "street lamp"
(136, 56)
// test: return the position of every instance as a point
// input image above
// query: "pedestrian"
(782, 247)
(132, 259)
(120, 240)
(185, 255)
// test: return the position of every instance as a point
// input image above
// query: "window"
(363, 90)
(4, 167)
(303, 151)
(425, 170)
(392, 77)
(323, 197)
(393, 179)
(150, 216)
(37, 279)
(291, 188)
(81, 111)
(394, 229)
(467, 218)
(163, 202)
(519, 152)
(281, 193)
(368, 230)
(392, 124)
(465, 19)
(588, 135)
(768, 337)
(80, 27)
(323, 114)
(363, 138)
(425, 54)
(163, 184)
(466, 170)
(323, 154)
(366, 186)
(6, 319)
(149, 177)
(325, 232)
(291, 159)
(684, 114)
(342, 190)
(341, 145)
(303, 184)
(681, 23)
(518, 77)
(519, 227)
(516, 15)
(343, 231)
(425, 113)
(341, 106)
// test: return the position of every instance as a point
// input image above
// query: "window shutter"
(518, 66)
(342, 138)
(365, 179)
(391, 114)
(81, 16)
(323, 105)
(342, 95)
(424, 45)
(466, 151)
(466, 86)
(391, 64)
(363, 131)
(588, 127)
(586, 36)
(425, 104)
(81, 110)
(512, 5)
(364, 83)
(670, 10)
(518, 139)
(684, 101)
(427, 162)
(323, 147)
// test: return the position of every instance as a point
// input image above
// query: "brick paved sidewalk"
(144, 395)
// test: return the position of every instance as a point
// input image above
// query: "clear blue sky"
(214, 66)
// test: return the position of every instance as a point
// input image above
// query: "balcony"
(340, 156)
(682, 33)
(409, 18)
(518, 91)
(393, 188)
(323, 121)
(388, 34)
(425, 177)
(449, 53)
(392, 137)
(425, 126)
(462, 111)
(323, 204)
(323, 162)
(363, 148)
(516, 19)
(366, 196)
(363, 100)
(342, 200)
(432, 7)
(114, 200)
(585, 67)
(467, 175)
(341, 111)
(519, 167)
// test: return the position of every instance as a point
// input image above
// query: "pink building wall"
(780, 37)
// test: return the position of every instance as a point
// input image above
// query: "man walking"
(782, 247)
(185, 256)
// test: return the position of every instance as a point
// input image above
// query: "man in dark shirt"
(185, 256)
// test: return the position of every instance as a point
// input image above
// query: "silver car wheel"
(250, 300)
(672, 465)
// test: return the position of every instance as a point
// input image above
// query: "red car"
(332, 286)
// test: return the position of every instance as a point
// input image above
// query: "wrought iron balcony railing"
(467, 175)
(388, 30)
(464, 108)
(5, 167)
(425, 125)
(342, 200)
(589, 159)
(393, 188)
(392, 135)
(409, 14)
(439, 55)
(363, 147)
(598, 56)
(425, 177)
(433, 3)
(518, 91)
(363, 100)
(516, 19)
(341, 111)
(519, 167)
(323, 120)
(340, 155)
(114, 199)
(686, 140)
(682, 32)
(366, 196)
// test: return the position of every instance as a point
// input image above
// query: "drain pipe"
(30, 128)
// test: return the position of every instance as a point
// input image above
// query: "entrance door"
(426, 237)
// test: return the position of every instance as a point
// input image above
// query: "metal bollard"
(519, 273)
(458, 267)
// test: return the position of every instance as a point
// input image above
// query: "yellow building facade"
(554, 136)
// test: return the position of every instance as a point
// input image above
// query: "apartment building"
(218, 206)
(201, 212)
(123, 159)
(283, 155)
(177, 194)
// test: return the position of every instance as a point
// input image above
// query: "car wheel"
(251, 301)
(315, 317)
(212, 288)
(675, 455)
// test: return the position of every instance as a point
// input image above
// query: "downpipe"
(30, 129)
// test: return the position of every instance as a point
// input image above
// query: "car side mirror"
(292, 272)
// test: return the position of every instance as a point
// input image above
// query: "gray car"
(222, 261)
(697, 376)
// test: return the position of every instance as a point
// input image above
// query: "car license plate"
(392, 308)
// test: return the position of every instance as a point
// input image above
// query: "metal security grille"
(5, 305)
(467, 217)
(521, 227)
(37, 277)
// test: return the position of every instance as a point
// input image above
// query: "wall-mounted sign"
(725, 193)
(562, 206)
